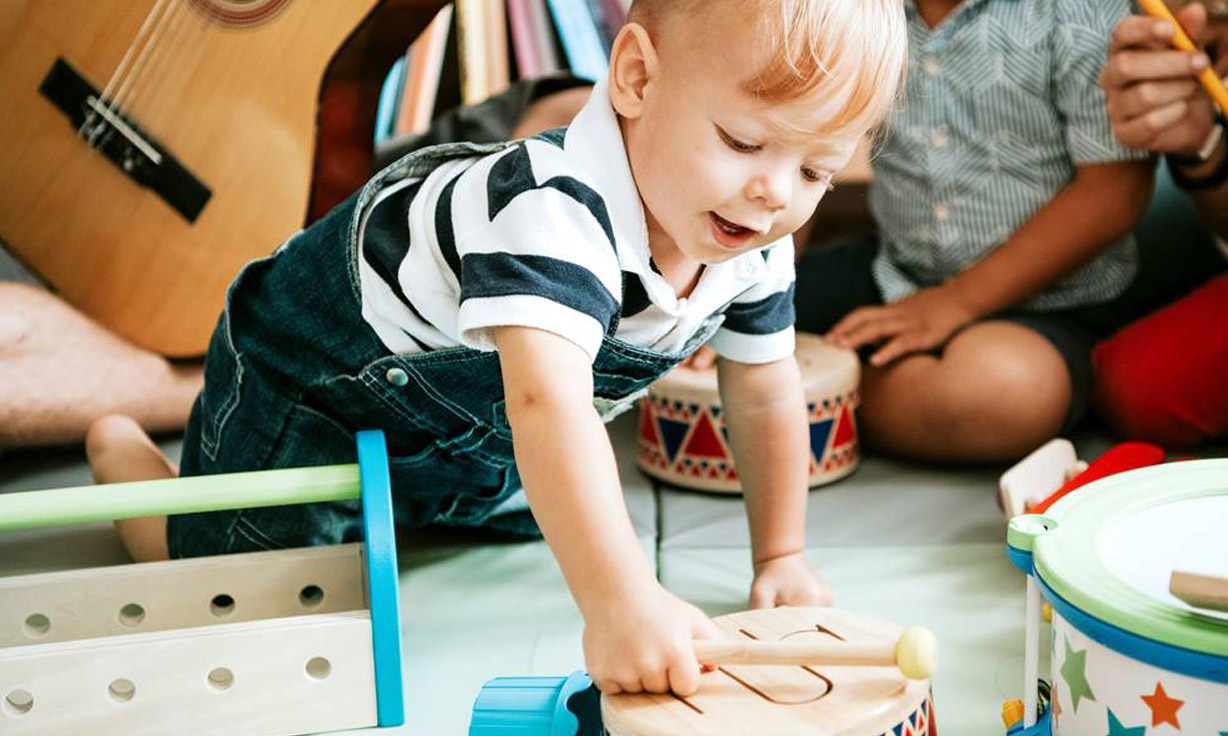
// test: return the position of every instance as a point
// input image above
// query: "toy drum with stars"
(682, 438)
(1128, 656)
(788, 700)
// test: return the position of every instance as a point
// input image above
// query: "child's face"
(720, 171)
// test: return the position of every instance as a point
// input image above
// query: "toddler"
(487, 306)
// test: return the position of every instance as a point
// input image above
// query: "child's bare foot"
(119, 451)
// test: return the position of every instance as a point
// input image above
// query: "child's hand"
(644, 643)
(788, 581)
(917, 323)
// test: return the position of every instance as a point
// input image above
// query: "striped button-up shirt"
(1002, 104)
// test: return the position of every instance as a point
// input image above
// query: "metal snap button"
(397, 376)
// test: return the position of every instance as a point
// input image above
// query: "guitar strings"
(157, 40)
(187, 64)
(166, 61)
(148, 26)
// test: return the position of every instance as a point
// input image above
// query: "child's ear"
(633, 67)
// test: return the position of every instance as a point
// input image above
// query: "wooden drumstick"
(915, 653)
(1200, 591)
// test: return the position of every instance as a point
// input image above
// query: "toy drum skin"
(754, 700)
(1128, 657)
(682, 438)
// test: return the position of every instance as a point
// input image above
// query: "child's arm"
(765, 410)
(1099, 205)
(637, 635)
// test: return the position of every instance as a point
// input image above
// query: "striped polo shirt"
(1002, 104)
(549, 233)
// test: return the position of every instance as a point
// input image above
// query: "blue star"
(1116, 729)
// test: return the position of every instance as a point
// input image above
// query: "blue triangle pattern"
(819, 432)
(672, 434)
(898, 729)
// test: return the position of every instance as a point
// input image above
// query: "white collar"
(594, 139)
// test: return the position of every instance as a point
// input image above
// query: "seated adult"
(1162, 378)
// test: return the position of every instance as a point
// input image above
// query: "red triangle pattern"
(846, 430)
(704, 441)
(648, 426)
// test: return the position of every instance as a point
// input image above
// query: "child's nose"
(773, 188)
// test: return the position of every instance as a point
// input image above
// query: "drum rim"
(1067, 562)
(1183, 661)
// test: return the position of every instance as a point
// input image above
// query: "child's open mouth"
(729, 234)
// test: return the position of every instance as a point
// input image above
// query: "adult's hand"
(1154, 99)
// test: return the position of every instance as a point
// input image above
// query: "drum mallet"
(571, 706)
(915, 652)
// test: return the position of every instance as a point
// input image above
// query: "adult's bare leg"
(997, 391)
(60, 371)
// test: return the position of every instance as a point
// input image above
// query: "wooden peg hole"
(311, 596)
(121, 690)
(18, 703)
(37, 625)
(222, 605)
(132, 615)
(319, 668)
(221, 678)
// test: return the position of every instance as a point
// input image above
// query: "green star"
(1074, 672)
(1116, 729)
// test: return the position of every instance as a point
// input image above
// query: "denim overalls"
(293, 371)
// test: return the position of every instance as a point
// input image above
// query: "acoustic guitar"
(151, 147)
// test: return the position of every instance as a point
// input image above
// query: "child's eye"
(817, 177)
(736, 144)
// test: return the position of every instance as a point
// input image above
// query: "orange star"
(1057, 708)
(1163, 708)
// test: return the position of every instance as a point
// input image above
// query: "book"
(471, 26)
(423, 68)
(596, 9)
(389, 99)
(532, 38)
(543, 37)
(498, 73)
(581, 41)
(615, 15)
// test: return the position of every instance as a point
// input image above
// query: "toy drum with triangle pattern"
(1128, 657)
(860, 697)
(682, 438)
(274, 643)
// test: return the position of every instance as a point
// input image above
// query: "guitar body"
(227, 88)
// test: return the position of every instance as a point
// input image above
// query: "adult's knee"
(1009, 387)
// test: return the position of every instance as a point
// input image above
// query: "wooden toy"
(1200, 591)
(1053, 470)
(682, 438)
(864, 693)
(1127, 655)
(264, 644)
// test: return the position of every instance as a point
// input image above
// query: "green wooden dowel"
(178, 496)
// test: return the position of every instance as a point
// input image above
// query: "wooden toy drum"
(1127, 656)
(682, 438)
(756, 700)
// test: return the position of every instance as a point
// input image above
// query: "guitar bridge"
(121, 140)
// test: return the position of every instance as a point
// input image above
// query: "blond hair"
(856, 48)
